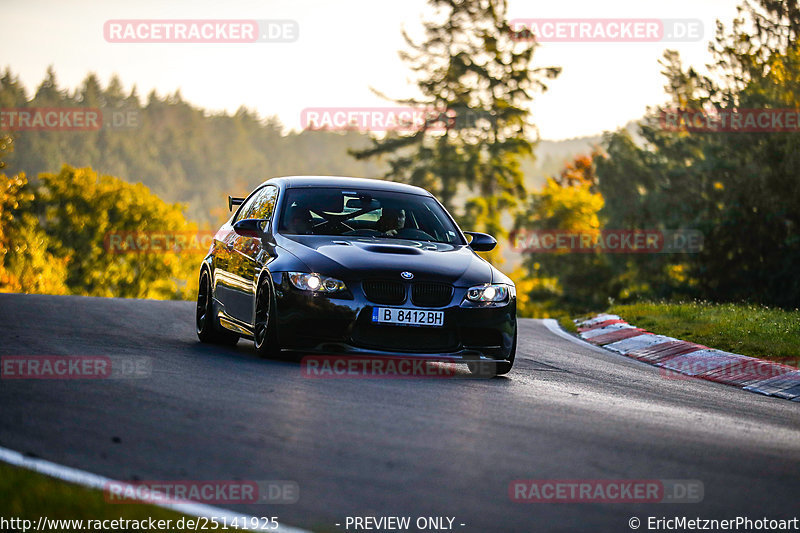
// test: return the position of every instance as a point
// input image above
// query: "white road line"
(552, 325)
(93, 481)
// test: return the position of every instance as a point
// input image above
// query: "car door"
(250, 255)
(228, 287)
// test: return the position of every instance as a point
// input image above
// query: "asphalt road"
(391, 447)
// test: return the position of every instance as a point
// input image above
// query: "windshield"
(366, 213)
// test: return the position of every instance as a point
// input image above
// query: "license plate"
(408, 317)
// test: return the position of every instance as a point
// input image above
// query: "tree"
(25, 263)
(79, 209)
(739, 188)
(560, 280)
(183, 153)
(478, 79)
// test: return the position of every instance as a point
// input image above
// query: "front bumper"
(320, 324)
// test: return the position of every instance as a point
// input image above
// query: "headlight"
(488, 293)
(316, 282)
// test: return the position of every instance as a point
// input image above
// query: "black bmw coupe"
(355, 266)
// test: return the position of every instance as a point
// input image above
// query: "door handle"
(229, 245)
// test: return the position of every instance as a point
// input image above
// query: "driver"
(392, 220)
(299, 222)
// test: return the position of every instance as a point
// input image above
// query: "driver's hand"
(390, 233)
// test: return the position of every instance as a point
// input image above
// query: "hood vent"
(390, 249)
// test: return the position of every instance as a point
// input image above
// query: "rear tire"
(265, 337)
(208, 330)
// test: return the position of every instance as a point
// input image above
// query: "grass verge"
(567, 324)
(739, 328)
(29, 495)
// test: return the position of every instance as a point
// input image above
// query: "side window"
(264, 203)
(259, 205)
(246, 208)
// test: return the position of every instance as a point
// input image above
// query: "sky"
(343, 49)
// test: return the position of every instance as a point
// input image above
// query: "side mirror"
(481, 242)
(250, 227)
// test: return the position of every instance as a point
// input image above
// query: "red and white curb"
(680, 358)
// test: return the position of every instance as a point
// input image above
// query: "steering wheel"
(334, 223)
(412, 233)
(364, 232)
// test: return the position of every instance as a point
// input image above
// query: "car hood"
(360, 258)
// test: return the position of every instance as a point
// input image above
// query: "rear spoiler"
(233, 200)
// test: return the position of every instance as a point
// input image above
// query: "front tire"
(265, 336)
(488, 369)
(205, 322)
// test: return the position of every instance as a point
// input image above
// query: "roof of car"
(339, 181)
